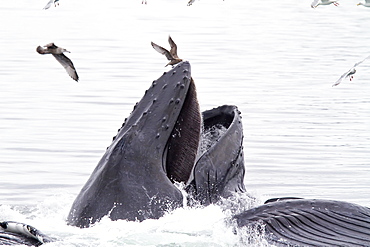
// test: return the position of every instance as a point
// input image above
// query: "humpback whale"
(161, 144)
(310, 222)
(157, 146)
(132, 175)
(15, 233)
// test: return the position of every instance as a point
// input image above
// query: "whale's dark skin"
(131, 180)
(158, 146)
(220, 170)
(305, 222)
(15, 233)
(9, 238)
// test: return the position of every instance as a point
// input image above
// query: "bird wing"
(342, 77)
(162, 50)
(51, 45)
(49, 4)
(67, 64)
(350, 70)
(314, 3)
(173, 45)
(358, 63)
(367, 1)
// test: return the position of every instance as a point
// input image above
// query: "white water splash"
(210, 136)
(187, 226)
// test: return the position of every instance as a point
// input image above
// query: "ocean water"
(275, 60)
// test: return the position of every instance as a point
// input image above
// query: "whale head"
(156, 146)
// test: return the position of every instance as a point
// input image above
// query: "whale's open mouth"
(182, 146)
(157, 146)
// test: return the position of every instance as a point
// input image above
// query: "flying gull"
(57, 52)
(316, 3)
(366, 4)
(48, 5)
(350, 72)
(170, 55)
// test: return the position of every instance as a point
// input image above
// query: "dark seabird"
(316, 3)
(57, 52)
(170, 55)
(350, 72)
(48, 5)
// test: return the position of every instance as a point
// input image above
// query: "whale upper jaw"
(131, 181)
